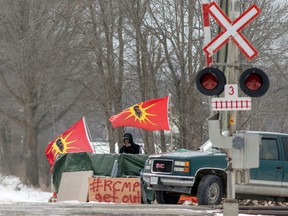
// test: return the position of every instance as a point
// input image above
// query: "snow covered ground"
(12, 189)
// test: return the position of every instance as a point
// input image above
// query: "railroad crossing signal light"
(254, 82)
(210, 81)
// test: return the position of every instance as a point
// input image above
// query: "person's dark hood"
(129, 137)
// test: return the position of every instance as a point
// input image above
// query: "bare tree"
(60, 60)
(35, 47)
(268, 33)
(176, 24)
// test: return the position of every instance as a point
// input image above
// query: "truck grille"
(163, 166)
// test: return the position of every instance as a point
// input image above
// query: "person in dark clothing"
(129, 146)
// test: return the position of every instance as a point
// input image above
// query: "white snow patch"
(13, 190)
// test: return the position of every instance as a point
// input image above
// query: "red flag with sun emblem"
(148, 115)
(74, 139)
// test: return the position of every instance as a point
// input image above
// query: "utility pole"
(229, 56)
(221, 62)
(232, 77)
(227, 59)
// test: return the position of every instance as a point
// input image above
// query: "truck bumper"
(181, 184)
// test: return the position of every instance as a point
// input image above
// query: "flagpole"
(170, 114)
(88, 133)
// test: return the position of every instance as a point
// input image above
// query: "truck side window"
(269, 149)
(285, 147)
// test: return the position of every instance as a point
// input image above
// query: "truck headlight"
(181, 166)
(148, 165)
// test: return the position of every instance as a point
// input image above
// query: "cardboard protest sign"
(115, 190)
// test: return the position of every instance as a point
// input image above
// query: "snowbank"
(13, 190)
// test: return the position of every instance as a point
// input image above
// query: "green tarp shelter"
(126, 165)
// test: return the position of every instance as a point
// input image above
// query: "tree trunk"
(32, 176)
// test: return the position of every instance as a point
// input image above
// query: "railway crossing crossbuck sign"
(232, 30)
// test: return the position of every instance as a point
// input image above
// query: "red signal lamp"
(210, 81)
(254, 82)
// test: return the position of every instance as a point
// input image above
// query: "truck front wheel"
(162, 197)
(210, 190)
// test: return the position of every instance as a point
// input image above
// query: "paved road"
(100, 209)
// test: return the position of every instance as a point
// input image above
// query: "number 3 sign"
(231, 91)
(231, 101)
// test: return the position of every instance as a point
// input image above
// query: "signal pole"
(222, 58)
(229, 118)
(232, 77)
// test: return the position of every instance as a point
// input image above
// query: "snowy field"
(13, 190)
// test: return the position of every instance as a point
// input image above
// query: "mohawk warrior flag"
(148, 115)
(75, 139)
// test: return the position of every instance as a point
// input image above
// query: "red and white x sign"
(232, 30)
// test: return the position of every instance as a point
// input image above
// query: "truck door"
(268, 177)
(285, 165)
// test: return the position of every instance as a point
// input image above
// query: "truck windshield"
(207, 146)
